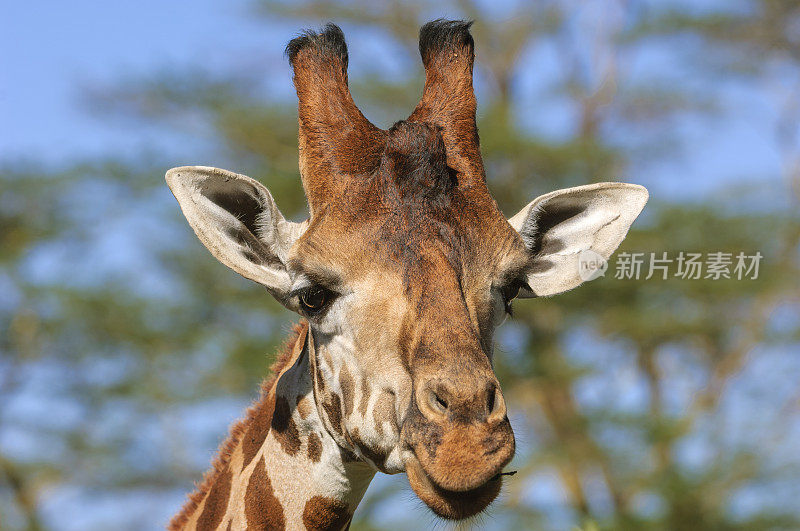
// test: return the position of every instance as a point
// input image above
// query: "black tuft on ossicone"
(328, 41)
(440, 35)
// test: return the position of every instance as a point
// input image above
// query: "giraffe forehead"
(410, 238)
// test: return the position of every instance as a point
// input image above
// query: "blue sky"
(53, 51)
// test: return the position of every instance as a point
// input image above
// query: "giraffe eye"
(314, 299)
(509, 293)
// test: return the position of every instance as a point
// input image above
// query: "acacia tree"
(633, 401)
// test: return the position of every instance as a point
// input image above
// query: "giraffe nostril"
(438, 403)
(491, 399)
(496, 405)
(467, 402)
(442, 403)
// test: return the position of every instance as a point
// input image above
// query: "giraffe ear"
(237, 220)
(561, 229)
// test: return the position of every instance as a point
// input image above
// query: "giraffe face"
(403, 284)
(403, 290)
(405, 267)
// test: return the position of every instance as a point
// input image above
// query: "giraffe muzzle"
(458, 442)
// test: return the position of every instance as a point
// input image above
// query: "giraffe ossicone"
(402, 272)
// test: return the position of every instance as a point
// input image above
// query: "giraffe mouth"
(450, 504)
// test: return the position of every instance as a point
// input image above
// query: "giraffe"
(401, 273)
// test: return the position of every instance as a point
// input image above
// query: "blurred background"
(126, 350)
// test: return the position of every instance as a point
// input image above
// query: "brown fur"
(258, 429)
(314, 450)
(216, 503)
(332, 405)
(325, 513)
(336, 141)
(284, 428)
(450, 504)
(468, 454)
(448, 100)
(262, 509)
(254, 414)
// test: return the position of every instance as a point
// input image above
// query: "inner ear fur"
(557, 227)
(236, 218)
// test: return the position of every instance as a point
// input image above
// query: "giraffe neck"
(280, 468)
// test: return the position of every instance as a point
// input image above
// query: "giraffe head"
(405, 266)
